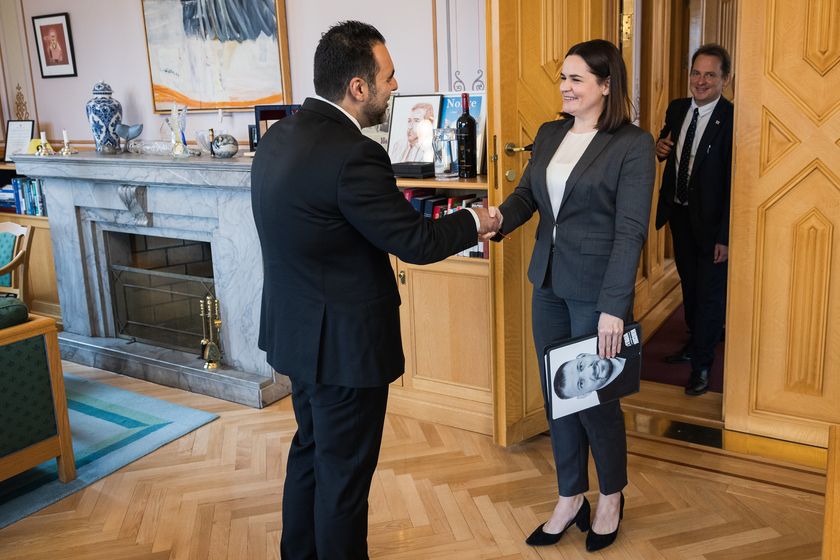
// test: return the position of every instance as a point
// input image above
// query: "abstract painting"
(217, 54)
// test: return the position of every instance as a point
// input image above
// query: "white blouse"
(562, 163)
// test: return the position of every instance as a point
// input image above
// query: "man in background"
(328, 213)
(696, 141)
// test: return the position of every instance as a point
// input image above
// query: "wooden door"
(527, 40)
(782, 341)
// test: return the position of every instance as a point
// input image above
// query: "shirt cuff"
(475, 217)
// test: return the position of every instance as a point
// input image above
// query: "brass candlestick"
(210, 320)
(204, 339)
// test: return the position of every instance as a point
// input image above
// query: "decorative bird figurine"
(128, 132)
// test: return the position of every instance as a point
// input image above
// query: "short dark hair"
(713, 49)
(603, 59)
(344, 52)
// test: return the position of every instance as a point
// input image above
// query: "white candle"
(64, 136)
(220, 116)
(43, 137)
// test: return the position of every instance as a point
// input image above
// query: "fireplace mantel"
(202, 199)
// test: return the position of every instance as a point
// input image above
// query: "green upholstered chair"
(15, 241)
(33, 403)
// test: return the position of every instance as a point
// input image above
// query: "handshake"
(490, 220)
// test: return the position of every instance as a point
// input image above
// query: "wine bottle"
(465, 134)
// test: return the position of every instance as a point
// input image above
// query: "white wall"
(109, 44)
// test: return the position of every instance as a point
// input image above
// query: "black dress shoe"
(698, 383)
(541, 538)
(595, 541)
(684, 355)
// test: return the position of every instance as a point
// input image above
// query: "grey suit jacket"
(603, 219)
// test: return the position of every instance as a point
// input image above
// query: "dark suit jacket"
(711, 175)
(328, 212)
(602, 222)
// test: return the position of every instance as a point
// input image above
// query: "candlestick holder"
(66, 150)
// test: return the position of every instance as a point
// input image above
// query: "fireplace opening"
(157, 284)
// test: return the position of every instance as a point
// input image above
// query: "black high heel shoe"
(581, 519)
(595, 541)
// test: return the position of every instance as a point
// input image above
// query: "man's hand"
(664, 147)
(490, 219)
(493, 211)
(610, 331)
(721, 253)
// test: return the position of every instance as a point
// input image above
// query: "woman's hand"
(610, 331)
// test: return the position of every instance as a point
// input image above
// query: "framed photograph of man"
(577, 378)
(413, 120)
(451, 109)
(54, 44)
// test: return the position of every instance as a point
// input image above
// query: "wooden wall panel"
(782, 363)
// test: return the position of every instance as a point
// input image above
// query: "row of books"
(23, 196)
(432, 204)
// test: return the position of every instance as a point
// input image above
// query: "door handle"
(512, 149)
(402, 277)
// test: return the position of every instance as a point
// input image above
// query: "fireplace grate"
(159, 307)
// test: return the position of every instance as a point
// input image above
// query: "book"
(414, 169)
(577, 378)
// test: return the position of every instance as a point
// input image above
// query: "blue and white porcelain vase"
(104, 113)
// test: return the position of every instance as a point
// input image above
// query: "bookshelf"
(447, 331)
(478, 183)
(42, 291)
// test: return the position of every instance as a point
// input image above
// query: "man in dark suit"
(696, 141)
(328, 212)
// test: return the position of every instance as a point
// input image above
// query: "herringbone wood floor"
(438, 493)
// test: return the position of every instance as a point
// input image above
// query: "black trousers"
(328, 475)
(703, 287)
(600, 428)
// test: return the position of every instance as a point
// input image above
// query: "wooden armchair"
(15, 241)
(33, 403)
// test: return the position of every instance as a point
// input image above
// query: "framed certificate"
(18, 135)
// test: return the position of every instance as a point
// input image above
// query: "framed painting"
(217, 54)
(54, 44)
(413, 120)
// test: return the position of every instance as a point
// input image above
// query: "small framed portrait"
(413, 120)
(54, 43)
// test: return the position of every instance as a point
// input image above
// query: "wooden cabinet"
(447, 332)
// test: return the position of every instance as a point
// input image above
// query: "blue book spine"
(18, 195)
(36, 197)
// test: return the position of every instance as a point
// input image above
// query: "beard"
(373, 112)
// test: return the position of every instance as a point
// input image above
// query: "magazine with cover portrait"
(577, 378)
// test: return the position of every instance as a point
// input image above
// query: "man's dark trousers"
(703, 287)
(331, 463)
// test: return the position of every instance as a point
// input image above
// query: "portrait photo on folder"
(577, 378)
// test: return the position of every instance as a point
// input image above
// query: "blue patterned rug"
(111, 428)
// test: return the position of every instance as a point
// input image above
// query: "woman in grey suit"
(591, 180)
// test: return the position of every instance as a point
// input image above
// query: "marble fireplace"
(98, 206)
